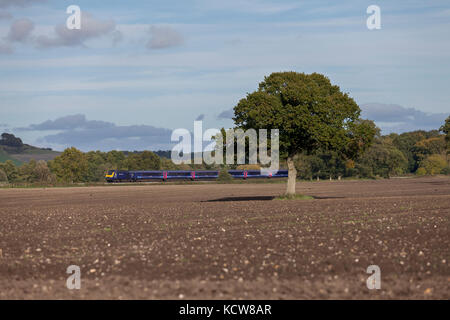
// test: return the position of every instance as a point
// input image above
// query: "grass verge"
(294, 197)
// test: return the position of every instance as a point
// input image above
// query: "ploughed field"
(221, 241)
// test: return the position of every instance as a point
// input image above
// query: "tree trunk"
(292, 176)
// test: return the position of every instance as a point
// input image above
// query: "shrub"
(3, 176)
(248, 167)
(41, 173)
(446, 170)
(421, 171)
(224, 175)
(434, 164)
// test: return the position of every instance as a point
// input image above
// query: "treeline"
(74, 166)
(418, 152)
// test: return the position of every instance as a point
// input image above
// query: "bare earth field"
(218, 241)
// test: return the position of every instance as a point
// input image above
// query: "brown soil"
(218, 241)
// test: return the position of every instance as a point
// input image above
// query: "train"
(161, 175)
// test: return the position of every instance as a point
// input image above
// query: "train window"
(179, 174)
(206, 173)
(151, 174)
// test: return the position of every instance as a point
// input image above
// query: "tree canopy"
(446, 129)
(311, 114)
(10, 140)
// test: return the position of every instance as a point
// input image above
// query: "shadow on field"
(259, 198)
(251, 198)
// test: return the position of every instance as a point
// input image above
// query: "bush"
(294, 197)
(248, 167)
(446, 170)
(434, 164)
(3, 176)
(41, 173)
(421, 171)
(224, 175)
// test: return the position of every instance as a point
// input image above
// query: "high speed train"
(135, 176)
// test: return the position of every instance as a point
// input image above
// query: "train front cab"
(119, 176)
(110, 176)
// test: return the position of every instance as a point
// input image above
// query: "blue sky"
(139, 69)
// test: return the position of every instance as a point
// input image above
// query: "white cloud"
(5, 15)
(247, 6)
(90, 28)
(6, 48)
(76, 130)
(19, 3)
(20, 30)
(395, 118)
(164, 37)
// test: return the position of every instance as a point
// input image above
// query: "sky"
(137, 70)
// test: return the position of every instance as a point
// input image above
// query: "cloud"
(5, 15)
(395, 118)
(76, 130)
(247, 6)
(77, 121)
(20, 30)
(64, 37)
(164, 37)
(200, 117)
(117, 37)
(6, 48)
(389, 117)
(19, 3)
(227, 115)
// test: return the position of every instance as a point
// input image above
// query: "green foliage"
(383, 159)
(421, 172)
(312, 115)
(294, 197)
(10, 140)
(71, 166)
(434, 164)
(10, 170)
(41, 173)
(97, 165)
(115, 159)
(224, 175)
(422, 152)
(146, 160)
(167, 164)
(5, 156)
(446, 129)
(3, 176)
(406, 143)
(310, 112)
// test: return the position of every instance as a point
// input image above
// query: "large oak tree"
(311, 114)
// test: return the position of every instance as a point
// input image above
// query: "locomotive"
(136, 176)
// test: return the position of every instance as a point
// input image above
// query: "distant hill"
(161, 153)
(12, 148)
(5, 156)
